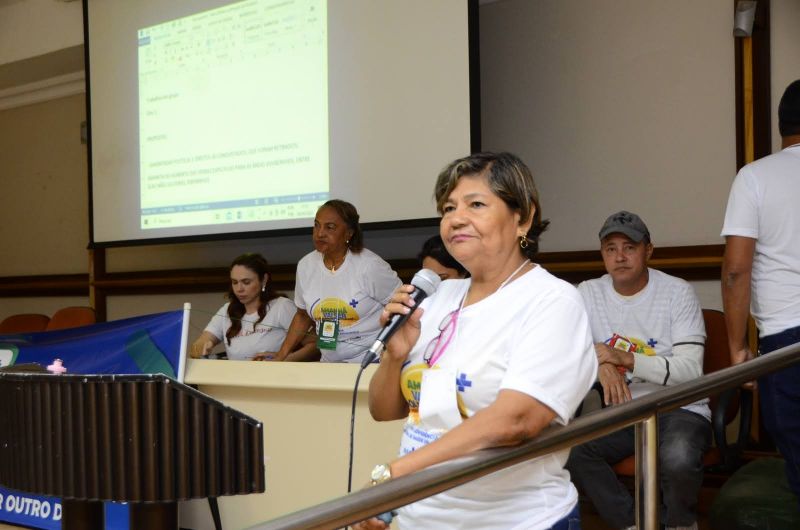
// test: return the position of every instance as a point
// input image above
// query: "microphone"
(425, 282)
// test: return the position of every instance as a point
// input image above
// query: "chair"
(72, 317)
(723, 456)
(24, 323)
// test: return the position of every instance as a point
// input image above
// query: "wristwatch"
(380, 473)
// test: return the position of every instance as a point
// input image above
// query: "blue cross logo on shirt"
(462, 382)
(353, 302)
(652, 342)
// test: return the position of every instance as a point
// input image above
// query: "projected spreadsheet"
(233, 115)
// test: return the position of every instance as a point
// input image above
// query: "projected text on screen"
(233, 115)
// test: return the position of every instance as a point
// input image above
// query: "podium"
(143, 439)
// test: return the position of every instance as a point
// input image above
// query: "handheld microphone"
(425, 282)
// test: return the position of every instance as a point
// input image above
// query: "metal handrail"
(360, 505)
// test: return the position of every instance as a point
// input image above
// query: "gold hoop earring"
(523, 242)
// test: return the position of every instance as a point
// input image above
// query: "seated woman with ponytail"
(255, 319)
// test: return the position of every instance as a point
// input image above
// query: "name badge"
(438, 407)
(328, 334)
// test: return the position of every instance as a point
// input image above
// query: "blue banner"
(30, 510)
(140, 345)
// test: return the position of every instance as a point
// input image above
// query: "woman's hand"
(404, 339)
(201, 350)
(386, 401)
(370, 524)
(379, 522)
(615, 388)
(265, 356)
(203, 345)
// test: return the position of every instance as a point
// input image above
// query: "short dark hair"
(789, 110)
(509, 178)
(434, 248)
(350, 216)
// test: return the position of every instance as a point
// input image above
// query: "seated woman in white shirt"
(340, 288)
(255, 319)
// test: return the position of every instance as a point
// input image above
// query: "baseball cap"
(626, 223)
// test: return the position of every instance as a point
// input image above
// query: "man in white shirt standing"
(762, 256)
(648, 332)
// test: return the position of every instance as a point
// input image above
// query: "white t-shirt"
(265, 336)
(763, 205)
(665, 323)
(353, 295)
(531, 336)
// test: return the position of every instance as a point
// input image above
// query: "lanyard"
(453, 337)
(513, 274)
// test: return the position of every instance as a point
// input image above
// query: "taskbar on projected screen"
(278, 212)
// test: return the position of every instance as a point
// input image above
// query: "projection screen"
(212, 117)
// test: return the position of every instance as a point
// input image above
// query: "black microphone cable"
(353, 426)
(387, 516)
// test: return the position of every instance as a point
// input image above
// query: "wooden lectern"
(143, 439)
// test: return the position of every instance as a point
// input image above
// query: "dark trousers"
(779, 396)
(683, 438)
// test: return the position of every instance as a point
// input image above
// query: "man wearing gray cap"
(762, 253)
(648, 332)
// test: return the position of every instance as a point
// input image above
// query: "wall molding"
(45, 90)
(700, 262)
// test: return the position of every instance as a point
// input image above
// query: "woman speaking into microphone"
(341, 288)
(486, 361)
